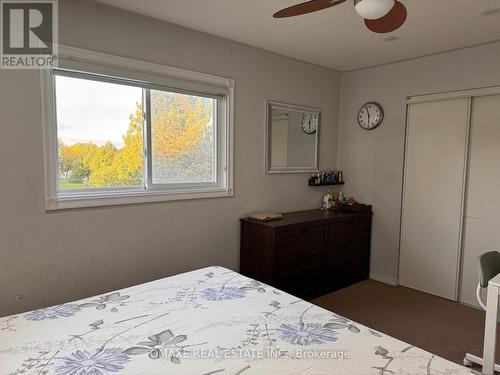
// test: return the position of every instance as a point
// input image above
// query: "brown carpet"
(435, 324)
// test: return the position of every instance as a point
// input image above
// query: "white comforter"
(209, 321)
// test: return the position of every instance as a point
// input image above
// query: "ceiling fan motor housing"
(373, 9)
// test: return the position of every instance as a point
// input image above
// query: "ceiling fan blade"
(390, 22)
(307, 7)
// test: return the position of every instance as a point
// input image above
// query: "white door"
(436, 153)
(482, 223)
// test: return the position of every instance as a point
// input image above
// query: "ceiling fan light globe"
(373, 9)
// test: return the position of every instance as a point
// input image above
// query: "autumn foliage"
(181, 139)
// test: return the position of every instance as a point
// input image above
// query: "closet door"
(482, 222)
(436, 153)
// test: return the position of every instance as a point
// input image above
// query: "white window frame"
(76, 61)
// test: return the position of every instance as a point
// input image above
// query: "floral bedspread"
(209, 321)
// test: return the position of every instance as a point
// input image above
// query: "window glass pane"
(100, 136)
(182, 138)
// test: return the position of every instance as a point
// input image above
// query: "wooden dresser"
(307, 253)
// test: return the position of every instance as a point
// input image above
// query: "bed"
(208, 321)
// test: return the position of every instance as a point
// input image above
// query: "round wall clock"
(309, 123)
(370, 115)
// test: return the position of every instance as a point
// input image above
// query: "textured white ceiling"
(335, 37)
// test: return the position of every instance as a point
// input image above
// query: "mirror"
(292, 138)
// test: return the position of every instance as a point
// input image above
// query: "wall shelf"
(326, 183)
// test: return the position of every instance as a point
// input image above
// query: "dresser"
(307, 253)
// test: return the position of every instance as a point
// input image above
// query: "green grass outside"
(70, 185)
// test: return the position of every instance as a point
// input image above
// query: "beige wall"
(373, 160)
(50, 258)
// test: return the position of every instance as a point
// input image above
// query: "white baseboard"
(384, 279)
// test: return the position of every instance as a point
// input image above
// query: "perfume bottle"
(340, 176)
(327, 201)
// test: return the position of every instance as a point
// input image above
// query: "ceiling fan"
(381, 16)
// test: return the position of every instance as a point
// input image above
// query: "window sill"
(64, 202)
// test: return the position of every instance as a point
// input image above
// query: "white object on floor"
(488, 268)
(490, 327)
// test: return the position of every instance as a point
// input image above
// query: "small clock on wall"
(370, 115)
(309, 123)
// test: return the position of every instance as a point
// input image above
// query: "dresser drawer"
(348, 238)
(349, 227)
(305, 236)
(301, 248)
(301, 282)
(297, 258)
(348, 246)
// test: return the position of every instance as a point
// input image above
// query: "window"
(182, 138)
(100, 134)
(121, 131)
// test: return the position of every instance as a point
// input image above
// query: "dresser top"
(298, 217)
